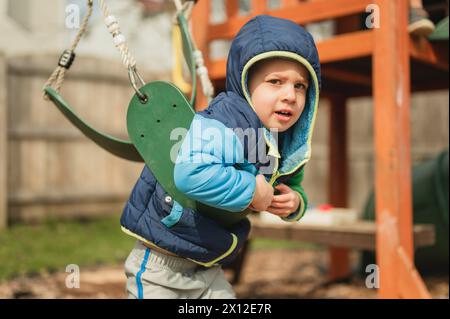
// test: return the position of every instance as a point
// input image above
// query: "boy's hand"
(263, 194)
(284, 203)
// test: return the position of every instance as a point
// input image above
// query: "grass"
(51, 246)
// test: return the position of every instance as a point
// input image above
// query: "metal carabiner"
(134, 76)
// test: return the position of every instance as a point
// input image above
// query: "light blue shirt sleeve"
(205, 169)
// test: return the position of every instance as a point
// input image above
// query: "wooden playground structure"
(388, 64)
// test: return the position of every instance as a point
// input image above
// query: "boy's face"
(278, 91)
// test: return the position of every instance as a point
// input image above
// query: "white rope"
(118, 38)
(202, 70)
(57, 77)
(120, 42)
(178, 5)
(188, 10)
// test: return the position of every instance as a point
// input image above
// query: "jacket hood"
(265, 37)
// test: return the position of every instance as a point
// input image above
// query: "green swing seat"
(441, 31)
(150, 125)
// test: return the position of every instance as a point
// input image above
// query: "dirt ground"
(278, 273)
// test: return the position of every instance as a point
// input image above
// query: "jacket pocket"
(174, 216)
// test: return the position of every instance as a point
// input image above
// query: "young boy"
(229, 159)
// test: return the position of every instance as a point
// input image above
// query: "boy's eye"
(300, 86)
(274, 81)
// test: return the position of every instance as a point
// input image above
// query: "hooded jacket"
(225, 148)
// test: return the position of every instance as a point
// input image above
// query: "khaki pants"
(153, 275)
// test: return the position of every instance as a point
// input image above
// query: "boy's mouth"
(283, 115)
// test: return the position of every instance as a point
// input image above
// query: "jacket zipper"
(275, 172)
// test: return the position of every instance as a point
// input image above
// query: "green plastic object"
(157, 129)
(188, 50)
(441, 31)
(430, 206)
(121, 148)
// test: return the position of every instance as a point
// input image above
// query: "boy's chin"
(278, 128)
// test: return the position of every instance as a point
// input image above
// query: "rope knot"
(66, 59)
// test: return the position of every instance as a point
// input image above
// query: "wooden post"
(200, 14)
(232, 8)
(338, 178)
(393, 190)
(258, 7)
(287, 3)
(3, 144)
(338, 161)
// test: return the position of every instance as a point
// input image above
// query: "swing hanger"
(183, 14)
(184, 8)
(128, 60)
(134, 77)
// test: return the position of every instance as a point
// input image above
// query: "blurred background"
(61, 196)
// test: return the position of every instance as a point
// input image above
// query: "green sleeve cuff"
(295, 184)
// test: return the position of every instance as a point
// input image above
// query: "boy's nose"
(289, 94)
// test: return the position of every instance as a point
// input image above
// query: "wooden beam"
(393, 190)
(343, 47)
(346, 46)
(200, 33)
(3, 144)
(311, 11)
(289, 3)
(345, 75)
(353, 92)
(232, 8)
(412, 286)
(434, 54)
(391, 104)
(258, 7)
(348, 24)
(338, 152)
(217, 70)
(359, 235)
(356, 45)
(338, 179)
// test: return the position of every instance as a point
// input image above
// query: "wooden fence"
(53, 170)
(3, 144)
